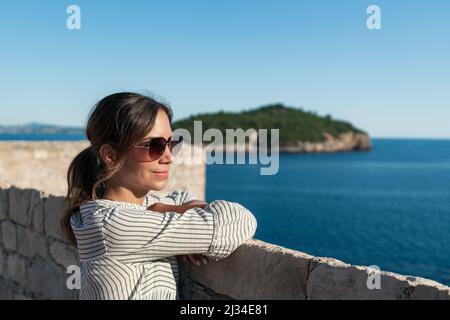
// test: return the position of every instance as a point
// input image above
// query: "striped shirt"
(128, 252)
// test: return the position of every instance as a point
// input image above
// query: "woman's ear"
(108, 155)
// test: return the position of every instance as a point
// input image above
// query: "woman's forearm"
(162, 207)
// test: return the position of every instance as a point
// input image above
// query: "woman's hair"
(121, 119)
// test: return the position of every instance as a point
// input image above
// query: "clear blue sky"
(203, 56)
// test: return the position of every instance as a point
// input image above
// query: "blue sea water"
(389, 207)
(40, 137)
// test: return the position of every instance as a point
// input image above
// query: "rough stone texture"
(20, 202)
(9, 235)
(2, 261)
(47, 279)
(38, 216)
(191, 290)
(347, 141)
(6, 292)
(258, 270)
(53, 211)
(286, 279)
(63, 254)
(422, 289)
(28, 268)
(20, 297)
(3, 204)
(333, 279)
(31, 243)
(16, 269)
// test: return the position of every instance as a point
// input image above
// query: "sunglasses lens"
(156, 148)
(175, 146)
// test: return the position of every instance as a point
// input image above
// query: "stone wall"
(33, 252)
(259, 270)
(34, 257)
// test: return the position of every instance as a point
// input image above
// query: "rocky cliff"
(347, 141)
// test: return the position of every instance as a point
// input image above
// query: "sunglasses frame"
(168, 142)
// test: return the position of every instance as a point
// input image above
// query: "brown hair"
(121, 119)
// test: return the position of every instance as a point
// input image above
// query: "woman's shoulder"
(178, 197)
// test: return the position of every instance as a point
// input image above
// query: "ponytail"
(81, 179)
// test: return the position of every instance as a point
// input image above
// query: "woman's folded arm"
(134, 235)
(233, 225)
(177, 197)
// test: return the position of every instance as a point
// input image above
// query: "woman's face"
(138, 173)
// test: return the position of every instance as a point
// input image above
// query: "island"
(300, 131)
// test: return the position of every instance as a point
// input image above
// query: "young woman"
(128, 238)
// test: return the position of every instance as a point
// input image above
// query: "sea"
(388, 207)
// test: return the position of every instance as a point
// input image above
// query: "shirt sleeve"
(177, 197)
(135, 235)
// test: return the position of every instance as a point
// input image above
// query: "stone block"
(2, 261)
(6, 292)
(37, 213)
(48, 280)
(3, 203)
(54, 208)
(15, 269)
(425, 289)
(244, 274)
(63, 254)
(31, 243)
(9, 235)
(331, 279)
(21, 203)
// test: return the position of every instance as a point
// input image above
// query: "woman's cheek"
(146, 173)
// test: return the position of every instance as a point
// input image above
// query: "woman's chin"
(158, 186)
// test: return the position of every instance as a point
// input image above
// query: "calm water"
(40, 137)
(389, 207)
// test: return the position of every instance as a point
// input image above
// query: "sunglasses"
(157, 146)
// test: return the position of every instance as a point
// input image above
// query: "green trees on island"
(295, 124)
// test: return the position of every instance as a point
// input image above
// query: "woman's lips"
(161, 174)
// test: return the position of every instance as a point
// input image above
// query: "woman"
(128, 239)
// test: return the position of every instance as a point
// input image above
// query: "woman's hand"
(162, 207)
(197, 259)
(199, 203)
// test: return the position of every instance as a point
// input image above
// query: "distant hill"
(39, 128)
(300, 131)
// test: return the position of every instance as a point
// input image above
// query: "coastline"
(345, 142)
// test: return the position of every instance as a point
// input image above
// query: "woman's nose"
(167, 155)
